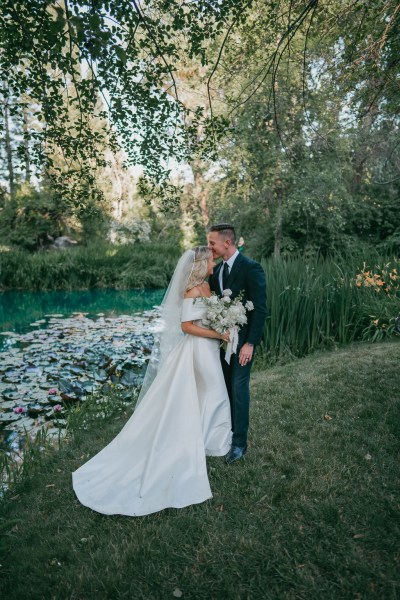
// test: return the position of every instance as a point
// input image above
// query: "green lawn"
(312, 511)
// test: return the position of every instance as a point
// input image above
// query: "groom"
(238, 273)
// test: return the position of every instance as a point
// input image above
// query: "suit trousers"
(237, 380)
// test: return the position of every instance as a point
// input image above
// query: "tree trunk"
(26, 147)
(204, 208)
(200, 191)
(11, 180)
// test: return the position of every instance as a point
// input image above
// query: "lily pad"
(65, 385)
(128, 378)
(8, 417)
(69, 396)
(76, 355)
(89, 386)
(10, 394)
(34, 410)
(100, 375)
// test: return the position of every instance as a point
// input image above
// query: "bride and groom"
(192, 403)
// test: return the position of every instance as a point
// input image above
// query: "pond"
(19, 309)
(58, 348)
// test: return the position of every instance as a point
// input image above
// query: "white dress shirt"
(229, 262)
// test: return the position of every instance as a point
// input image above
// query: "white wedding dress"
(158, 459)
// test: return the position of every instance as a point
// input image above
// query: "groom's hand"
(245, 354)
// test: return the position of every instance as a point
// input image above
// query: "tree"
(128, 53)
(62, 54)
(307, 141)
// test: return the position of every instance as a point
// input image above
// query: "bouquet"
(225, 313)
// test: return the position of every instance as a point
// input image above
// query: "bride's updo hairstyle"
(200, 266)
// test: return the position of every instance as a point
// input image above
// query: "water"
(18, 309)
(38, 351)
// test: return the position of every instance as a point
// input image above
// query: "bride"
(158, 459)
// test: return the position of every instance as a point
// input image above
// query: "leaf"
(177, 593)
(120, 52)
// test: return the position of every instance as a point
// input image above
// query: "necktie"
(225, 275)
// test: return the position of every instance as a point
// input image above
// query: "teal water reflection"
(19, 309)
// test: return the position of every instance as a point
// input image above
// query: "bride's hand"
(225, 336)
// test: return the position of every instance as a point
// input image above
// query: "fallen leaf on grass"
(367, 457)
(358, 536)
(54, 562)
(50, 485)
(262, 499)
(328, 417)
(301, 566)
(220, 508)
(86, 539)
(177, 593)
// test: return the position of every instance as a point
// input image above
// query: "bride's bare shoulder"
(193, 293)
(198, 291)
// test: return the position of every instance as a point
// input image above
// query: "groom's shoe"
(235, 453)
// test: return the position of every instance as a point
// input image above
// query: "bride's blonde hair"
(200, 266)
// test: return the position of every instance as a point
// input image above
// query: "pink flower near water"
(57, 408)
(52, 391)
(19, 410)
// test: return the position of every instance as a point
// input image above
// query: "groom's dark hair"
(224, 229)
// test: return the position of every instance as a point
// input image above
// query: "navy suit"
(246, 276)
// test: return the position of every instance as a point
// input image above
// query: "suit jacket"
(248, 276)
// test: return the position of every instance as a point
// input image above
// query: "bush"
(97, 265)
(32, 219)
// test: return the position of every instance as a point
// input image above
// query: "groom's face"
(217, 244)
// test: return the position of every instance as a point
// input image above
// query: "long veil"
(171, 308)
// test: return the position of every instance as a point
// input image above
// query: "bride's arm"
(192, 329)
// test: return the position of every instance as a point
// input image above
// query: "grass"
(139, 265)
(312, 511)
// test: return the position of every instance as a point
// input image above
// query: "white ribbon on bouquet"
(232, 344)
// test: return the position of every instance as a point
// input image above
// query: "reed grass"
(139, 265)
(18, 466)
(317, 304)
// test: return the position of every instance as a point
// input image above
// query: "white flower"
(249, 305)
(225, 313)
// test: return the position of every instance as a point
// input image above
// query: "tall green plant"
(98, 265)
(317, 303)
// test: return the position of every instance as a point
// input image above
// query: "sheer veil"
(171, 308)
